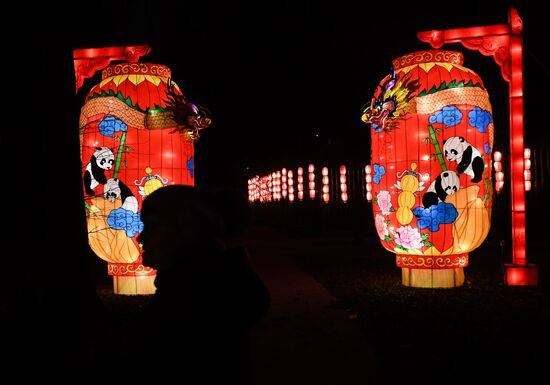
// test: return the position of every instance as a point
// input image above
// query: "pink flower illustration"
(408, 237)
(384, 201)
(381, 226)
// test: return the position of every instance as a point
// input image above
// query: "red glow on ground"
(520, 275)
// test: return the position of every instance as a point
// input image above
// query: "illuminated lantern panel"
(431, 136)
(132, 142)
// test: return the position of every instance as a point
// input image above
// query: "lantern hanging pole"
(504, 43)
(89, 60)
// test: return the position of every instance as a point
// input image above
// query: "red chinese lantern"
(136, 134)
(431, 138)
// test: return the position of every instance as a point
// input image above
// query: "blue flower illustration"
(109, 125)
(379, 171)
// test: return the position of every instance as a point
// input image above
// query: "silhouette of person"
(208, 298)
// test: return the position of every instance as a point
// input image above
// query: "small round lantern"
(431, 138)
(136, 135)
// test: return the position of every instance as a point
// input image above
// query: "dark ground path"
(307, 337)
(341, 316)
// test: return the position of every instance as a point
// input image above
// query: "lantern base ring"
(134, 285)
(432, 278)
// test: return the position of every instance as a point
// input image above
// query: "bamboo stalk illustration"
(119, 154)
(437, 148)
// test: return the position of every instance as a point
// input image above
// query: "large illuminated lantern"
(137, 131)
(431, 137)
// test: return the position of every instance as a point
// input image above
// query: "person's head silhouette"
(176, 219)
(185, 238)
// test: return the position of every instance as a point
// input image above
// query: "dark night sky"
(284, 80)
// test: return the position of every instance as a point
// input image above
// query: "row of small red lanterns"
(280, 184)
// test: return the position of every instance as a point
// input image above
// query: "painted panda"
(446, 183)
(114, 188)
(469, 159)
(102, 159)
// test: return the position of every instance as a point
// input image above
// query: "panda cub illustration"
(102, 159)
(114, 188)
(469, 159)
(446, 183)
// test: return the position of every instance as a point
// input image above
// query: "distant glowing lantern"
(368, 182)
(290, 186)
(252, 187)
(432, 136)
(136, 135)
(311, 179)
(284, 183)
(325, 188)
(527, 168)
(300, 184)
(277, 184)
(265, 187)
(343, 184)
(499, 174)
